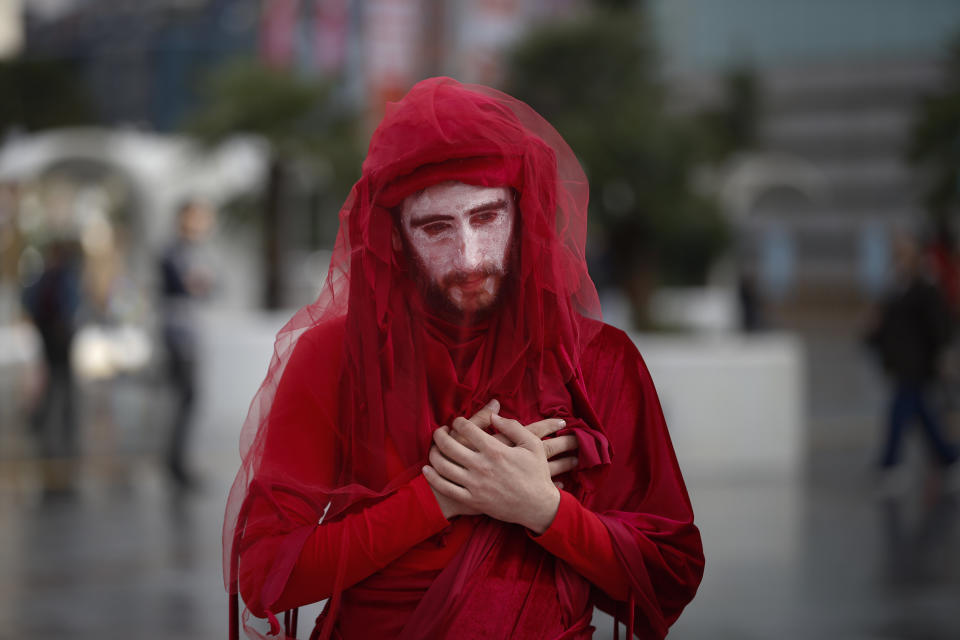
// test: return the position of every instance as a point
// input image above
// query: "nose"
(471, 250)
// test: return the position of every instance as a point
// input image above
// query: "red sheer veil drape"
(388, 389)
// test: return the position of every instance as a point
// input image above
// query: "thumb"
(482, 417)
(512, 429)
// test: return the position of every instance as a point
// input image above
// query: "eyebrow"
(493, 205)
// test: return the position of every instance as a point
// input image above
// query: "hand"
(448, 506)
(509, 483)
(199, 281)
(541, 429)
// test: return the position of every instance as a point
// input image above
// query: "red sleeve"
(579, 538)
(287, 558)
(640, 497)
(369, 539)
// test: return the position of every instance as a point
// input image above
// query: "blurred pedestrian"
(52, 302)
(910, 333)
(186, 278)
(748, 296)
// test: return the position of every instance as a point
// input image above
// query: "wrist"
(544, 516)
(447, 506)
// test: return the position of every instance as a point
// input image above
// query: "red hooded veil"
(361, 378)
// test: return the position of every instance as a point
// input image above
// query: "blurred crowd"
(94, 324)
(914, 336)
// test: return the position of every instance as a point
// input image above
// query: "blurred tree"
(617, 5)
(731, 126)
(595, 80)
(301, 120)
(41, 94)
(934, 145)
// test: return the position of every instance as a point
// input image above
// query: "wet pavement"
(123, 554)
(122, 557)
(827, 556)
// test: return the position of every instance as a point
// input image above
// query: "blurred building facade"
(143, 64)
(814, 203)
(818, 200)
(143, 61)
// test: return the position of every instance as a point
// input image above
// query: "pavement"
(821, 554)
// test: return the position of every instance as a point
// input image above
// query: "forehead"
(450, 199)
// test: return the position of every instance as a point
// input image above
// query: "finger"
(513, 430)
(447, 468)
(459, 438)
(544, 428)
(482, 417)
(444, 486)
(452, 449)
(476, 437)
(562, 465)
(560, 444)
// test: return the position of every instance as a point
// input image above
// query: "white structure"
(733, 404)
(11, 28)
(146, 176)
(161, 169)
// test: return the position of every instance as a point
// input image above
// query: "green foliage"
(307, 128)
(299, 116)
(732, 126)
(244, 96)
(617, 5)
(595, 81)
(935, 142)
(41, 94)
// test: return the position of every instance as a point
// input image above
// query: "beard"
(474, 306)
(471, 306)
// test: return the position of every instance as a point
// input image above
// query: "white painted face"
(459, 236)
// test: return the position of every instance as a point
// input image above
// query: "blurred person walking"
(750, 303)
(186, 277)
(53, 302)
(910, 334)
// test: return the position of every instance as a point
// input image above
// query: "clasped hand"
(507, 475)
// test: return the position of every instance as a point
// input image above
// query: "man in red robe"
(449, 443)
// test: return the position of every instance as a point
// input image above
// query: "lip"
(473, 283)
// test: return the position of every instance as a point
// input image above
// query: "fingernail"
(563, 423)
(559, 485)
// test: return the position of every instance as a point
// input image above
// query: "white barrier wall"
(733, 404)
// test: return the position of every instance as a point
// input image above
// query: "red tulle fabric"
(362, 377)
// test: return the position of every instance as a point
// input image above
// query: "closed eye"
(485, 217)
(435, 228)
